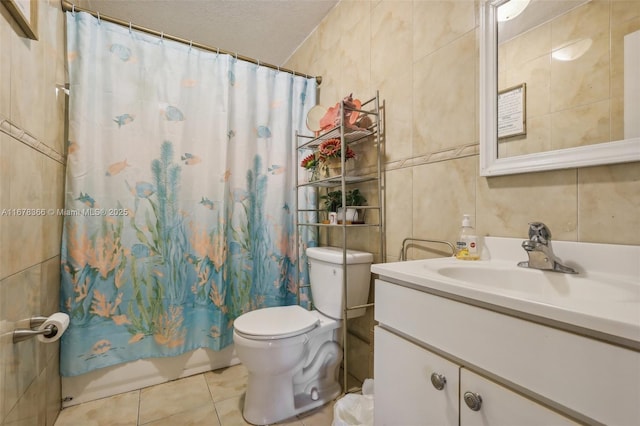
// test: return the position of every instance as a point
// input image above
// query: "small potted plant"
(332, 200)
(355, 198)
(333, 203)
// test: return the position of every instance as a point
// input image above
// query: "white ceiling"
(267, 30)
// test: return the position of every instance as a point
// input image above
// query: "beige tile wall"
(423, 57)
(32, 118)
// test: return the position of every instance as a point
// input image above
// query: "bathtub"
(142, 373)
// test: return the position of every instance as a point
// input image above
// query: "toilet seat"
(275, 323)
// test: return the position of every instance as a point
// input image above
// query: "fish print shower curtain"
(179, 195)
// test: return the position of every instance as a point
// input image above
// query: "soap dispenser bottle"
(467, 243)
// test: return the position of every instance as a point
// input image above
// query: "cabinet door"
(501, 406)
(404, 393)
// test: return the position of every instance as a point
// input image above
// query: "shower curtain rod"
(67, 6)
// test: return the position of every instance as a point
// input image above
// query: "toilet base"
(304, 403)
(290, 376)
(264, 408)
(273, 398)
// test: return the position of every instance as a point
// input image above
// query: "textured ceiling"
(267, 30)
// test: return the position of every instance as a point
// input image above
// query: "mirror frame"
(623, 151)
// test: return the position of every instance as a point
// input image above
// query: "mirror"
(559, 85)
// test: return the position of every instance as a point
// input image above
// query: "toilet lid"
(276, 323)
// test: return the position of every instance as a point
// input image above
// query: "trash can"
(355, 409)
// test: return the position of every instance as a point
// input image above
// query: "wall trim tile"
(461, 151)
(21, 135)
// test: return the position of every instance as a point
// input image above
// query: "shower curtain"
(179, 195)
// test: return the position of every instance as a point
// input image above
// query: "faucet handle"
(538, 232)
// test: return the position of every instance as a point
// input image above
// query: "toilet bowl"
(292, 354)
(289, 372)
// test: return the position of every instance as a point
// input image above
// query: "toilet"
(292, 354)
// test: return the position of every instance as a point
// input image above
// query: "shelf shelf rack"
(348, 136)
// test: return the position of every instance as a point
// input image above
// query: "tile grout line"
(139, 391)
(213, 402)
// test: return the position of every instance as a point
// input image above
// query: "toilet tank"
(326, 278)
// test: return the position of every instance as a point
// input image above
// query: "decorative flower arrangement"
(331, 148)
(325, 159)
(310, 162)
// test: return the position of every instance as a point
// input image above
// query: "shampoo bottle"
(467, 244)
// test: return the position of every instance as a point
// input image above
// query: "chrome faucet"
(540, 253)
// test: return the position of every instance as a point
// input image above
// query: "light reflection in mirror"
(572, 50)
(511, 9)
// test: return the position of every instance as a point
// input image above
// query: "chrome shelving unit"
(370, 136)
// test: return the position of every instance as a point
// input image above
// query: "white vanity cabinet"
(414, 386)
(501, 406)
(404, 393)
(525, 372)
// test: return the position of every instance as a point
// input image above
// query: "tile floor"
(213, 398)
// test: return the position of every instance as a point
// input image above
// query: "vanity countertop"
(601, 301)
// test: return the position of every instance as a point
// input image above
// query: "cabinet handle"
(473, 400)
(438, 381)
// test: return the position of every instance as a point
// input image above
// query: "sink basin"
(602, 300)
(544, 285)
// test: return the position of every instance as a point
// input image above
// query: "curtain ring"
(190, 45)
(161, 36)
(99, 21)
(130, 27)
(73, 9)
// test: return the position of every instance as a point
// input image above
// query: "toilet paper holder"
(22, 334)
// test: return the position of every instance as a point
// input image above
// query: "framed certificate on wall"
(512, 111)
